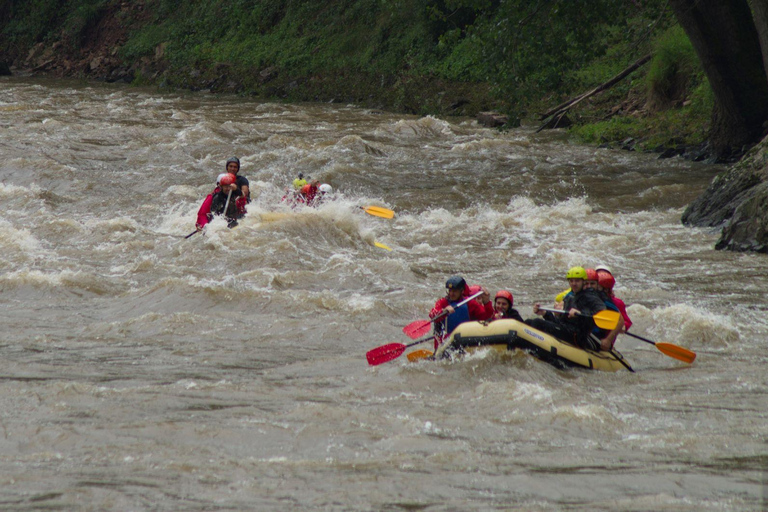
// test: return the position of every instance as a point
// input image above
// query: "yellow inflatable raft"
(506, 335)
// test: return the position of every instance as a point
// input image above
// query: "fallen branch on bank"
(557, 113)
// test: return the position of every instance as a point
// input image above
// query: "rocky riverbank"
(737, 200)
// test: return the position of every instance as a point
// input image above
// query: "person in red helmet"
(222, 197)
(605, 283)
(502, 305)
(591, 281)
(309, 192)
(456, 315)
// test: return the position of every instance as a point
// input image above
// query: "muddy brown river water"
(142, 371)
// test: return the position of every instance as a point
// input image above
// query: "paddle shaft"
(226, 205)
(599, 318)
(444, 313)
(192, 233)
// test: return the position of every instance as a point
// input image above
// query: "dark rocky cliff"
(737, 200)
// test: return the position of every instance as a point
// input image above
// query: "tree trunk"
(760, 14)
(725, 38)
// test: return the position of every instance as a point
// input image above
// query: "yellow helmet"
(576, 273)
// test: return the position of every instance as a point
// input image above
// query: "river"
(145, 371)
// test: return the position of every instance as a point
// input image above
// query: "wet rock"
(492, 119)
(669, 153)
(737, 199)
(747, 230)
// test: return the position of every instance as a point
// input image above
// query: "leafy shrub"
(674, 69)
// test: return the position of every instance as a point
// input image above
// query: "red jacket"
(477, 311)
(623, 310)
(204, 212)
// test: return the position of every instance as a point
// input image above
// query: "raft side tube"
(508, 335)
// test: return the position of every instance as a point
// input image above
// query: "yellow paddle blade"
(607, 319)
(381, 246)
(680, 353)
(418, 355)
(378, 211)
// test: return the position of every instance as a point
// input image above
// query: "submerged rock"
(737, 199)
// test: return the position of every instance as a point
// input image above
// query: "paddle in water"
(421, 327)
(378, 211)
(675, 351)
(605, 319)
(390, 351)
(418, 355)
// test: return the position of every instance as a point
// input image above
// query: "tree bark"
(725, 38)
(760, 15)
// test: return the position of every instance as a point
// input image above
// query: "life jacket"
(459, 316)
(219, 201)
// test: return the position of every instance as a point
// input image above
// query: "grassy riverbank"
(440, 57)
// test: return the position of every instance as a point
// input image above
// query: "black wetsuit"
(574, 330)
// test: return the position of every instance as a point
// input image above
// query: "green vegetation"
(422, 56)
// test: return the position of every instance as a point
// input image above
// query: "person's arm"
(440, 305)
(607, 342)
(623, 310)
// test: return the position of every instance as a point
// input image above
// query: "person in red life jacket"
(456, 315)
(605, 283)
(223, 196)
(571, 327)
(309, 192)
(243, 185)
(502, 305)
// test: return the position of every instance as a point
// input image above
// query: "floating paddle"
(378, 211)
(680, 353)
(418, 355)
(421, 327)
(381, 246)
(605, 319)
(389, 352)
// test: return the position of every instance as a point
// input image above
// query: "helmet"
(576, 273)
(325, 188)
(235, 160)
(218, 178)
(227, 179)
(603, 267)
(606, 280)
(591, 274)
(455, 282)
(504, 294)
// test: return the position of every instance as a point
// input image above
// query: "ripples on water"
(142, 371)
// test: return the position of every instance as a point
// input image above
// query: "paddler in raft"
(502, 305)
(456, 291)
(225, 195)
(243, 185)
(576, 325)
